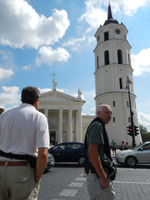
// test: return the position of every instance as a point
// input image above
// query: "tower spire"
(109, 12)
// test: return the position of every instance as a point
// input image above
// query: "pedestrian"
(2, 110)
(99, 185)
(113, 145)
(122, 146)
(126, 146)
(24, 143)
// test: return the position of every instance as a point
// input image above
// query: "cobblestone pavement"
(67, 182)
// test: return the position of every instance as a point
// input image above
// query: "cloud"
(95, 8)
(141, 62)
(144, 120)
(9, 96)
(26, 67)
(91, 15)
(3, 54)
(22, 26)
(74, 43)
(5, 73)
(49, 55)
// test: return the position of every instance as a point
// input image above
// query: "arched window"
(106, 56)
(97, 62)
(120, 83)
(119, 52)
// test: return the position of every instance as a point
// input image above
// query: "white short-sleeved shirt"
(23, 130)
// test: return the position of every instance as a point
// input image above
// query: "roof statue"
(54, 81)
(79, 94)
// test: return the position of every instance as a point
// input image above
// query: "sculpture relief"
(53, 121)
(54, 98)
(65, 120)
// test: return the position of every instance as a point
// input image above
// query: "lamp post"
(131, 113)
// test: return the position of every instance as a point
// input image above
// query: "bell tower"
(112, 67)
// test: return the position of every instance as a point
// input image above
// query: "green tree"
(144, 133)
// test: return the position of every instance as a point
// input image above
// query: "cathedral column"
(46, 113)
(70, 126)
(78, 126)
(60, 125)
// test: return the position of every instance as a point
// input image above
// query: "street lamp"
(131, 113)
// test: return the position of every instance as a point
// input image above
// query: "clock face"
(117, 31)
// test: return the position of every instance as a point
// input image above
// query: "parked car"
(69, 152)
(138, 155)
(50, 161)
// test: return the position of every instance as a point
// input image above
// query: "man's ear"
(98, 113)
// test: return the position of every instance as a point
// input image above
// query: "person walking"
(24, 143)
(113, 145)
(99, 185)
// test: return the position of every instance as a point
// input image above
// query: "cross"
(53, 75)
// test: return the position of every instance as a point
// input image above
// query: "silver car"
(138, 155)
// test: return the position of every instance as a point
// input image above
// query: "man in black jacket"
(99, 185)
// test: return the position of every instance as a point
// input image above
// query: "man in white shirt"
(24, 136)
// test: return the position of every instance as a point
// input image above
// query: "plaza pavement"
(67, 182)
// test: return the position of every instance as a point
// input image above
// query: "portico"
(64, 114)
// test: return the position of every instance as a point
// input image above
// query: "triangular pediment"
(55, 96)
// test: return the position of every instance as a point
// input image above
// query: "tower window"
(120, 83)
(114, 119)
(106, 36)
(106, 55)
(127, 103)
(119, 52)
(114, 103)
(97, 62)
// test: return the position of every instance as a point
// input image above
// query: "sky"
(39, 37)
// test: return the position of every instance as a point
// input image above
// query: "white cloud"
(141, 62)
(3, 54)
(22, 26)
(5, 73)
(91, 15)
(95, 8)
(26, 67)
(74, 43)
(49, 55)
(144, 120)
(10, 96)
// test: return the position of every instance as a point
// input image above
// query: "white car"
(138, 155)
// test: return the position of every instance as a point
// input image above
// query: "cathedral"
(113, 82)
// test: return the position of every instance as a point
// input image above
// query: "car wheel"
(81, 160)
(131, 161)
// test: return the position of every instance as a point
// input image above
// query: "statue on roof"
(79, 94)
(54, 81)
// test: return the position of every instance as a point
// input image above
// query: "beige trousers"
(95, 190)
(18, 183)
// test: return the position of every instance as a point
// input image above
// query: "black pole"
(132, 123)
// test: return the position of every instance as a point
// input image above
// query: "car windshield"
(139, 145)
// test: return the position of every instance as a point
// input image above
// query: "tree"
(144, 133)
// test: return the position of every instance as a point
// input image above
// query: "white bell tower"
(112, 67)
